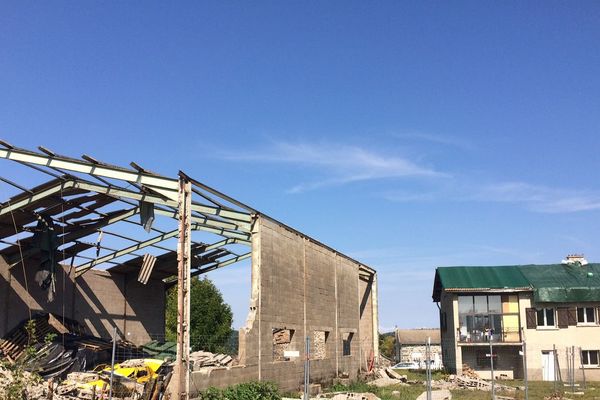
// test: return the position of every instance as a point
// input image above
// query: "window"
(482, 318)
(282, 338)
(545, 317)
(590, 357)
(347, 344)
(586, 315)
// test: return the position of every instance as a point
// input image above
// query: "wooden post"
(183, 288)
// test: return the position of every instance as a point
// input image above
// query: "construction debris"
(53, 347)
(469, 380)
(387, 377)
(201, 359)
(469, 372)
(49, 349)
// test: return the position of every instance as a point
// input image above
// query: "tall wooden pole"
(183, 289)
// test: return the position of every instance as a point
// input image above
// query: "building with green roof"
(547, 307)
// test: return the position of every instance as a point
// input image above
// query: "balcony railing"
(506, 335)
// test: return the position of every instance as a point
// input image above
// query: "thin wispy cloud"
(337, 164)
(541, 198)
(536, 198)
(445, 140)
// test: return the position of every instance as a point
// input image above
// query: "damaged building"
(100, 244)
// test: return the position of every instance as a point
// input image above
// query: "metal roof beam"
(86, 167)
(222, 232)
(221, 264)
(77, 234)
(36, 197)
(226, 214)
(239, 226)
(84, 267)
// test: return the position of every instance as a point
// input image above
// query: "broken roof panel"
(86, 197)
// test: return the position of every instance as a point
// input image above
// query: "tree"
(210, 317)
(387, 344)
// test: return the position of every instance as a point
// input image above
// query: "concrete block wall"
(97, 299)
(304, 286)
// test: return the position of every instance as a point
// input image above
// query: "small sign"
(488, 355)
(291, 353)
(520, 352)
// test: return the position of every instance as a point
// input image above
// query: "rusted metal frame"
(183, 288)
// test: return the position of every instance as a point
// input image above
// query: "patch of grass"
(537, 390)
(385, 393)
(419, 375)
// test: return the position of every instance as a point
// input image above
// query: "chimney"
(575, 259)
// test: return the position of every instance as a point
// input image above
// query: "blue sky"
(407, 135)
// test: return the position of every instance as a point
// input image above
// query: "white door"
(548, 365)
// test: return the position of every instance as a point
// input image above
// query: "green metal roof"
(550, 283)
(563, 283)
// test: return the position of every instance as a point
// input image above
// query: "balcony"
(475, 336)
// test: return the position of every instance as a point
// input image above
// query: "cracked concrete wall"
(303, 286)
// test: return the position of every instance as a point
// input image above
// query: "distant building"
(411, 346)
(550, 307)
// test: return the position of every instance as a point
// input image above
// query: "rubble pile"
(53, 347)
(387, 377)
(201, 359)
(30, 386)
(469, 372)
(57, 359)
(469, 380)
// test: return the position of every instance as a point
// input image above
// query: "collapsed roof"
(106, 216)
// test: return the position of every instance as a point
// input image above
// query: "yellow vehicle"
(133, 371)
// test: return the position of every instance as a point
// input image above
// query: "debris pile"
(200, 359)
(25, 382)
(469, 380)
(469, 372)
(53, 347)
(132, 379)
(387, 377)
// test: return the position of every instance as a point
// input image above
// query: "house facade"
(548, 310)
(411, 347)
